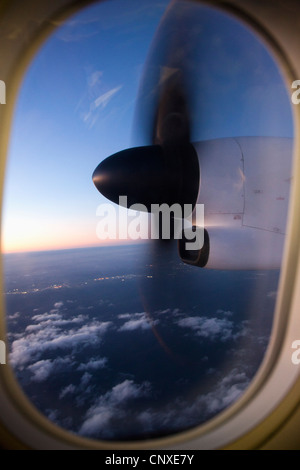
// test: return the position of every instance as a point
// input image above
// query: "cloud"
(99, 103)
(14, 316)
(174, 312)
(116, 23)
(131, 315)
(131, 325)
(47, 316)
(95, 79)
(54, 333)
(93, 364)
(69, 390)
(76, 30)
(53, 320)
(167, 310)
(184, 414)
(118, 406)
(105, 98)
(228, 390)
(110, 405)
(138, 321)
(212, 328)
(41, 370)
(96, 97)
(85, 379)
(52, 415)
(102, 408)
(58, 304)
(54, 314)
(124, 315)
(125, 391)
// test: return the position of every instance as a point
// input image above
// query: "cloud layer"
(64, 352)
(53, 332)
(212, 328)
(111, 406)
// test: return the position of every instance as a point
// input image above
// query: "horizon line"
(83, 247)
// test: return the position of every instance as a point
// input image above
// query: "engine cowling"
(245, 185)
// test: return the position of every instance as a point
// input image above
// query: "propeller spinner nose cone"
(110, 179)
(150, 175)
(136, 173)
(102, 177)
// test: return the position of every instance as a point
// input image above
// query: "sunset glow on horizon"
(42, 236)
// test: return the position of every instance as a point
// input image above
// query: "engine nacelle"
(244, 186)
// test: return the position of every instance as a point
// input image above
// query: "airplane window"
(112, 334)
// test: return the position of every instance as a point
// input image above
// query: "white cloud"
(110, 405)
(125, 391)
(131, 315)
(41, 370)
(77, 30)
(85, 379)
(58, 304)
(69, 390)
(95, 79)
(175, 312)
(99, 103)
(190, 322)
(105, 98)
(212, 328)
(52, 415)
(114, 405)
(97, 421)
(167, 310)
(47, 316)
(93, 364)
(227, 392)
(124, 315)
(187, 414)
(138, 321)
(14, 316)
(131, 325)
(52, 334)
(53, 320)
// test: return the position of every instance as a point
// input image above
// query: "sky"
(78, 104)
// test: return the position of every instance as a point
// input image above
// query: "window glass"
(119, 339)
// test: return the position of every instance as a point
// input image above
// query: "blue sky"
(77, 105)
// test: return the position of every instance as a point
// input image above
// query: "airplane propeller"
(167, 171)
(164, 172)
(245, 213)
